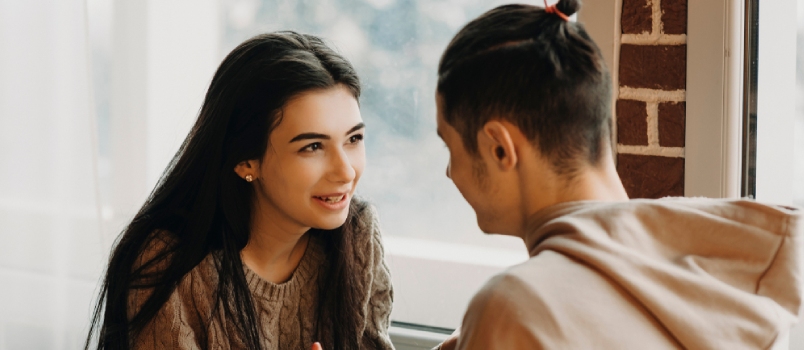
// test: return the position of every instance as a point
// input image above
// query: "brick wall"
(651, 101)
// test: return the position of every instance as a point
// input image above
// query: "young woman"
(252, 238)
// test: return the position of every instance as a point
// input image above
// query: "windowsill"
(412, 337)
(434, 281)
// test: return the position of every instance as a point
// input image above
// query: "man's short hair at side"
(520, 64)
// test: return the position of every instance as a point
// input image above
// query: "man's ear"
(500, 145)
(248, 168)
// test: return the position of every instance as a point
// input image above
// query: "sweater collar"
(308, 268)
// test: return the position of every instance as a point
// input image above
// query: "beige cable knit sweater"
(286, 312)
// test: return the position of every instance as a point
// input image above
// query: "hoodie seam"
(784, 237)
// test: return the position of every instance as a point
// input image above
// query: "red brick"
(661, 67)
(674, 16)
(651, 176)
(636, 17)
(632, 123)
(672, 124)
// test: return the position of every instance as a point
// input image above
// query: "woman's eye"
(356, 138)
(311, 147)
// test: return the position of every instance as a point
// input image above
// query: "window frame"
(714, 99)
(716, 95)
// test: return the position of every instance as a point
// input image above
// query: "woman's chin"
(330, 223)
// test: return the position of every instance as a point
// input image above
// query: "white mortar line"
(654, 39)
(651, 95)
(671, 152)
(653, 124)
(656, 17)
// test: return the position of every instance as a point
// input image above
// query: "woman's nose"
(341, 169)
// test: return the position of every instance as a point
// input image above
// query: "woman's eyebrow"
(356, 128)
(309, 136)
(317, 136)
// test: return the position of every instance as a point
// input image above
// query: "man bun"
(568, 7)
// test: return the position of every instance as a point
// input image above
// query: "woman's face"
(314, 159)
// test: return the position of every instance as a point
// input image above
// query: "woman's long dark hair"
(205, 207)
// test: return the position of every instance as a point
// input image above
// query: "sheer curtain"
(52, 250)
(95, 97)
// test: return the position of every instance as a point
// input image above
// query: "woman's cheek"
(307, 171)
(358, 161)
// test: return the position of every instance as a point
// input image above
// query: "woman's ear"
(248, 170)
(500, 145)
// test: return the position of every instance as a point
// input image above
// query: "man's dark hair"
(523, 65)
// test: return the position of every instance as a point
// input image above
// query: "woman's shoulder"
(156, 256)
(186, 308)
(155, 253)
(159, 248)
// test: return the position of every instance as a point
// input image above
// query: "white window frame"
(714, 98)
(715, 69)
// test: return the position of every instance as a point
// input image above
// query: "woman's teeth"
(332, 199)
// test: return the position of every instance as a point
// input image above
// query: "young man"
(524, 108)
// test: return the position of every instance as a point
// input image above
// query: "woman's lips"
(332, 201)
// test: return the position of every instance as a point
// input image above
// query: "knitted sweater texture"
(286, 312)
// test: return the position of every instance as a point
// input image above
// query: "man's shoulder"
(534, 272)
(517, 308)
(547, 283)
(528, 283)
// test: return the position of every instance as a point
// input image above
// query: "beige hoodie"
(646, 274)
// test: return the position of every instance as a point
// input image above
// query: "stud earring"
(249, 178)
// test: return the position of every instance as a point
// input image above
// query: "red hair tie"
(555, 11)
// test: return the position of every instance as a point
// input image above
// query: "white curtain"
(51, 246)
(95, 97)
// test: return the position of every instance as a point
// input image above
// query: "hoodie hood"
(721, 274)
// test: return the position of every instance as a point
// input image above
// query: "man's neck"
(593, 183)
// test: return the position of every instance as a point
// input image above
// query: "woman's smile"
(333, 201)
